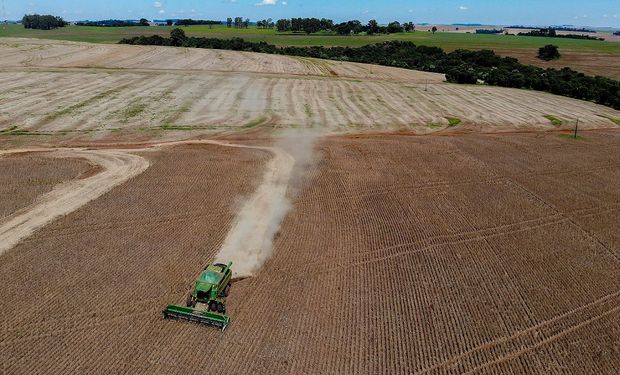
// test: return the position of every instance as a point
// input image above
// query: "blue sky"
(544, 12)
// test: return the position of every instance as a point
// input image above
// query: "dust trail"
(65, 198)
(249, 243)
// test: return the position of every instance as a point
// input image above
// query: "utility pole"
(576, 126)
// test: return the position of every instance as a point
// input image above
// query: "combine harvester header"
(206, 304)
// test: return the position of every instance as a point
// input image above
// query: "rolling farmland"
(425, 227)
(482, 253)
(588, 56)
(83, 92)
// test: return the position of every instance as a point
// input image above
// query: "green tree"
(373, 27)
(434, 29)
(144, 22)
(283, 25)
(394, 27)
(549, 52)
(177, 37)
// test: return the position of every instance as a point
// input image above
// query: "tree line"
(551, 33)
(114, 23)
(189, 22)
(315, 25)
(238, 22)
(42, 22)
(460, 66)
(487, 31)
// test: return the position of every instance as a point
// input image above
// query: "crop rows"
(85, 92)
(399, 255)
(102, 273)
(27, 176)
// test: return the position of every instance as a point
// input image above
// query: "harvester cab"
(206, 303)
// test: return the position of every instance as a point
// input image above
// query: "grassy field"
(448, 41)
(587, 56)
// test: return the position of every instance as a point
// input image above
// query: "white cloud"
(161, 11)
(463, 7)
(284, 2)
(157, 4)
(267, 2)
(410, 11)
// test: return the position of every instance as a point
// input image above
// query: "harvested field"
(80, 92)
(401, 254)
(116, 168)
(592, 63)
(56, 54)
(25, 177)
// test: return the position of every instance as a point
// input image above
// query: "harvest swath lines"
(400, 253)
(79, 91)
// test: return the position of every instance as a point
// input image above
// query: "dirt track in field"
(25, 177)
(248, 243)
(74, 92)
(118, 167)
(482, 253)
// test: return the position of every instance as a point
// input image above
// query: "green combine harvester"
(206, 304)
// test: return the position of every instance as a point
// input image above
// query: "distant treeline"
(617, 33)
(551, 33)
(460, 66)
(42, 22)
(114, 23)
(559, 28)
(315, 25)
(189, 22)
(487, 31)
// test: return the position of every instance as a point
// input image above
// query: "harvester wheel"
(190, 300)
(220, 308)
(213, 306)
(227, 290)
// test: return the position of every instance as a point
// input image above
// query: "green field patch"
(257, 121)
(177, 113)
(453, 121)
(554, 120)
(133, 110)
(9, 129)
(178, 127)
(447, 40)
(614, 120)
(76, 107)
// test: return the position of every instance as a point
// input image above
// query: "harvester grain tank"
(206, 303)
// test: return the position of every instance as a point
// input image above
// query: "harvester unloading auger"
(206, 303)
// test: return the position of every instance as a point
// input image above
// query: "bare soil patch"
(483, 253)
(25, 177)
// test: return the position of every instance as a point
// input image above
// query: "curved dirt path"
(248, 243)
(118, 167)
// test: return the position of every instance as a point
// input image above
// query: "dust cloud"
(249, 243)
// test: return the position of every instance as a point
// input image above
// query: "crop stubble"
(82, 92)
(483, 253)
(25, 177)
